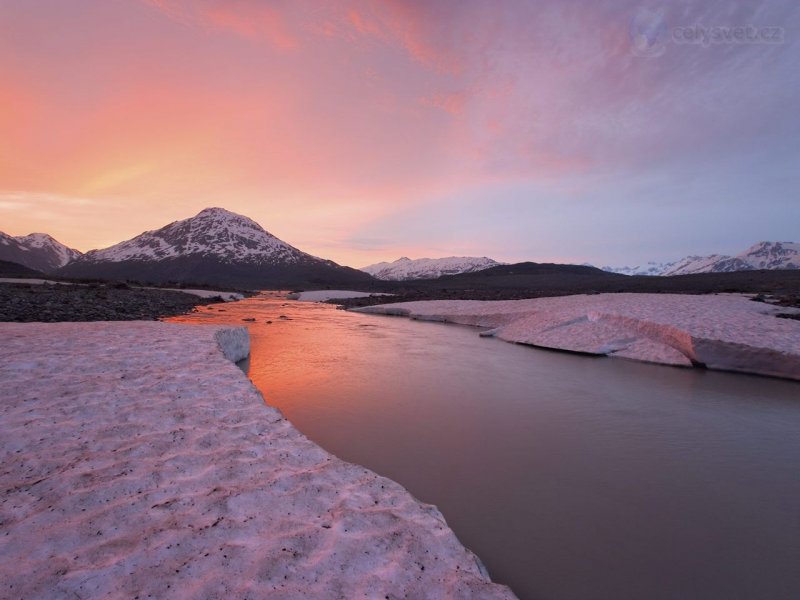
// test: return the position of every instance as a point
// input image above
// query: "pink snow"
(726, 332)
(325, 295)
(138, 461)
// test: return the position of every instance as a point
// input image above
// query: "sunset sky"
(570, 131)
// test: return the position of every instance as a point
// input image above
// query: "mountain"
(36, 251)
(529, 276)
(650, 268)
(215, 247)
(763, 255)
(404, 269)
(12, 269)
(772, 255)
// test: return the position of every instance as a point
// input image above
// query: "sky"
(604, 131)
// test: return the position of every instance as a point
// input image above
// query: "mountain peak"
(214, 232)
(761, 255)
(36, 237)
(38, 251)
(223, 217)
(214, 246)
(215, 211)
(404, 268)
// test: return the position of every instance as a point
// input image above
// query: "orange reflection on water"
(293, 358)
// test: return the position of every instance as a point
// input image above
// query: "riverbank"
(140, 461)
(38, 301)
(723, 332)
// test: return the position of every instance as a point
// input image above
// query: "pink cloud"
(286, 108)
(452, 103)
(256, 21)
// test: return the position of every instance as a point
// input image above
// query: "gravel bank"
(52, 303)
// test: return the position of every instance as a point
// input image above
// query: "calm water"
(571, 477)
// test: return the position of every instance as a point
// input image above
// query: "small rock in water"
(284, 318)
(249, 319)
(269, 322)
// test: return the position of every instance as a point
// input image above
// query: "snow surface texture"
(404, 269)
(724, 332)
(763, 255)
(138, 462)
(213, 232)
(325, 295)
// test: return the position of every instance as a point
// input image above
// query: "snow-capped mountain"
(216, 246)
(404, 269)
(714, 263)
(37, 251)
(772, 255)
(650, 268)
(763, 255)
(212, 232)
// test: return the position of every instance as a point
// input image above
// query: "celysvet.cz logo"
(650, 34)
(727, 34)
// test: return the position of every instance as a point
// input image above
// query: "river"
(572, 477)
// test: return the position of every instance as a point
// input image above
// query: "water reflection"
(571, 477)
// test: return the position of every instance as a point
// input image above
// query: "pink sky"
(363, 130)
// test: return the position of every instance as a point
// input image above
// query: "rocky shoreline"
(25, 303)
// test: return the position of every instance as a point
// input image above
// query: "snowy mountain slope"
(404, 269)
(650, 268)
(695, 264)
(212, 232)
(763, 255)
(772, 255)
(37, 251)
(215, 246)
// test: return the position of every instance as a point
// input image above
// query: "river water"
(571, 477)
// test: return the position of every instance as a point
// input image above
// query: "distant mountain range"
(218, 247)
(404, 269)
(763, 255)
(36, 251)
(215, 247)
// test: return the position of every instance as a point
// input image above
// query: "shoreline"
(719, 332)
(29, 301)
(141, 460)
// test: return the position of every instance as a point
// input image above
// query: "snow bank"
(723, 332)
(29, 281)
(139, 462)
(233, 342)
(325, 295)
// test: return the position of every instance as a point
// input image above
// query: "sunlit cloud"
(256, 21)
(344, 126)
